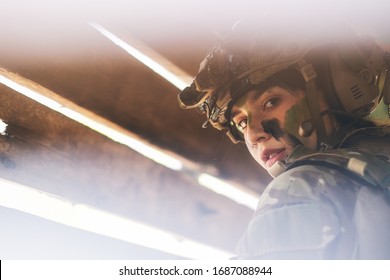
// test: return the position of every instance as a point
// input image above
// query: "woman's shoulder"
(306, 184)
(292, 215)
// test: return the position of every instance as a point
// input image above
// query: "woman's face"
(252, 109)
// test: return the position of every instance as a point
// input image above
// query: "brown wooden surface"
(49, 152)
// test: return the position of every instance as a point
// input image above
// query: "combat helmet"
(353, 72)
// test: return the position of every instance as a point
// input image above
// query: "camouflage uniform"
(317, 212)
(316, 208)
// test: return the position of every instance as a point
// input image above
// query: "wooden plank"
(97, 75)
(47, 151)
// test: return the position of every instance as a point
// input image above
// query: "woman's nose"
(256, 133)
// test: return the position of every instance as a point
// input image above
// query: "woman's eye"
(270, 103)
(241, 124)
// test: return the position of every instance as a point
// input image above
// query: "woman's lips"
(272, 156)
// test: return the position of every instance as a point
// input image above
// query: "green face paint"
(298, 122)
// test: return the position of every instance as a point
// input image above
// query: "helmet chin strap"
(276, 169)
(312, 117)
(307, 117)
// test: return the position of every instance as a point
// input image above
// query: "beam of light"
(221, 187)
(87, 218)
(178, 78)
(118, 134)
(3, 127)
(88, 119)
(135, 144)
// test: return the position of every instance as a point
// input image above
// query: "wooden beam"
(50, 152)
